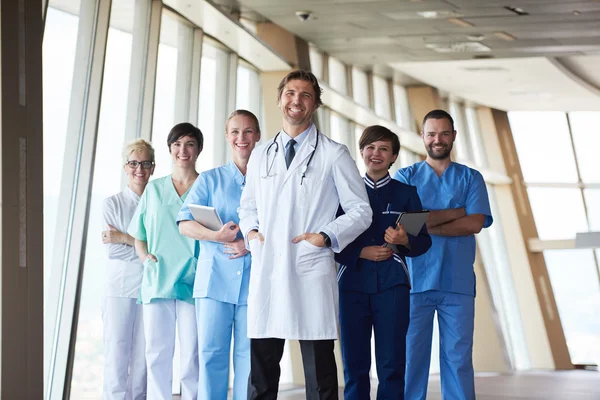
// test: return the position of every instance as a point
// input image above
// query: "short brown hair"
(376, 133)
(438, 114)
(302, 75)
(185, 129)
(245, 113)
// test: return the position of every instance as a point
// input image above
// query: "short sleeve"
(477, 198)
(137, 226)
(402, 175)
(198, 194)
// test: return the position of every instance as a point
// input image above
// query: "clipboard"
(413, 221)
(206, 216)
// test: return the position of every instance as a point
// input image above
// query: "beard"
(445, 153)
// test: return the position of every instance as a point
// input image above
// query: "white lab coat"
(293, 289)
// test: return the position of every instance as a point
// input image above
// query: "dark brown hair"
(376, 133)
(302, 76)
(185, 129)
(438, 114)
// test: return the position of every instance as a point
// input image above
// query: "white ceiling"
(555, 51)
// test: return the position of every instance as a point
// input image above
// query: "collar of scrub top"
(131, 193)
(238, 177)
(380, 182)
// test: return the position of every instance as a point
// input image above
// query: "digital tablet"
(413, 221)
(207, 216)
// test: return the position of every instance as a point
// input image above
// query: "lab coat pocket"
(313, 260)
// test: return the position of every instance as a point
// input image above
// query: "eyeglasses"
(133, 164)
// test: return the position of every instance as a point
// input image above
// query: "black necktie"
(290, 153)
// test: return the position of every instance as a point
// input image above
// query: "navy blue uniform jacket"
(387, 198)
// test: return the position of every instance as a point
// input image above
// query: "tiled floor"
(568, 385)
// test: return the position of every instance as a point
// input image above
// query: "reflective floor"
(568, 385)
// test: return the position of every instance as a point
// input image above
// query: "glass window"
(475, 137)
(546, 201)
(358, 130)
(316, 62)
(340, 131)
(462, 144)
(499, 276)
(574, 281)
(403, 117)
(592, 201)
(212, 111)
(58, 52)
(323, 117)
(248, 94)
(585, 127)
(407, 158)
(360, 87)
(174, 55)
(544, 146)
(87, 377)
(337, 76)
(381, 95)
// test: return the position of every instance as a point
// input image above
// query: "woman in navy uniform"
(373, 279)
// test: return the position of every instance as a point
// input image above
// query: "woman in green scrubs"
(169, 270)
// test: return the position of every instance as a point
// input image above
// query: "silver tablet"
(207, 216)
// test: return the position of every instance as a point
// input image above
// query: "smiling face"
(438, 138)
(378, 157)
(185, 151)
(242, 134)
(139, 176)
(297, 104)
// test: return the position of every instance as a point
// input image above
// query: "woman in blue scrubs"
(223, 272)
(373, 280)
(169, 268)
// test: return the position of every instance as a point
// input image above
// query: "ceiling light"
(458, 47)
(490, 68)
(460, 22)
(505, 36)
(575, 12)
(436, 14)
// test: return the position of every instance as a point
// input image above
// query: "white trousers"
(160, 318)
(124, 349)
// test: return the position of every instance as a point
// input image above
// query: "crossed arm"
(454, 222)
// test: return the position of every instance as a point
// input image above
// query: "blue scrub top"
(217, 276)
(448, 265)
(172, 276)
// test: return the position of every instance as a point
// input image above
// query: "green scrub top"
(172, 276)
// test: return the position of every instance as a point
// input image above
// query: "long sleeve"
(354, 201)
(350, 254)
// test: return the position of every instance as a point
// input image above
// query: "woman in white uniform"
(124, 359)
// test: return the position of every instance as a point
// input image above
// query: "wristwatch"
(326, 238)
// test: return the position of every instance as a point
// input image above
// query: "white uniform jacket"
(123, 268)
(293, 289)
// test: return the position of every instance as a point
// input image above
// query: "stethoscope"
(269, 167)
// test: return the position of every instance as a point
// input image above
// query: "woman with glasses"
(169, 269)
(124, 352)
(223, 273)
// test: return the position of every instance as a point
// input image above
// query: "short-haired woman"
(124, 357)
(373, 280)
(223, 273)
(169, 269)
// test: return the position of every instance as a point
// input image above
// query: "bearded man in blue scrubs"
(443, 279)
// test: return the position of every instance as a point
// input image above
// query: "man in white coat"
(294, 185)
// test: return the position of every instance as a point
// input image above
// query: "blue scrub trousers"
(216, 322)
(387, 314)
(456, 315)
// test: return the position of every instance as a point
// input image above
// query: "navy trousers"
(387, 315)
